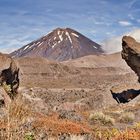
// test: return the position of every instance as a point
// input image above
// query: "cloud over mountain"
(114, 44)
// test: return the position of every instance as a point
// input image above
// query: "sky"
(22, 21)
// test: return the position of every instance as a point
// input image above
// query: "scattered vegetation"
(6, 87)
(105, 133)
(19, 120)
(17, 114)
(137, 125)
(99, 117)
(29, 136)
(127, 117)
(128, 134)
(17, 124)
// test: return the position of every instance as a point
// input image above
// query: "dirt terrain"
(74, 91)
(72, 100)
(99, 61)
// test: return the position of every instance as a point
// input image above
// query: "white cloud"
(109, 33)
(16, 40)
(93, 31)
(131, 16)
(125, 23)
(8, 45)
(114, 44)
(7, 50)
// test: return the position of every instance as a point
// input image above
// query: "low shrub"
(99, 117)
(127, 117)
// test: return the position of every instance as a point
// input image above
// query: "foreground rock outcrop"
(9, 77)
(131, 54)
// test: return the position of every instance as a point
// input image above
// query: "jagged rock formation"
(9, 76)
(61, 44)
(131, 54)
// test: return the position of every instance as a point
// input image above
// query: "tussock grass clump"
(137, 125)
(101, 118)
(128, 134)
(18, 114)
(19, 109)
(127, 117)
(105, 133)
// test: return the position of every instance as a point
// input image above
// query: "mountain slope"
(60, 44)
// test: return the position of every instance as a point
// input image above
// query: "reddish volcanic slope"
(60, 45)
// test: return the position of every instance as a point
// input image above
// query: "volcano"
(60, 45)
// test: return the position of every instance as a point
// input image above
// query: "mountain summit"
(60, 45)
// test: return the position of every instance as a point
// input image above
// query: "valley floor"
(60, 102)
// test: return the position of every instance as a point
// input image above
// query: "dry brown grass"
(127, 117)
(59, 126)
(17, 113)
(20, 112)
(131, 134)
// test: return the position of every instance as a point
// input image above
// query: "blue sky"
(24, 21)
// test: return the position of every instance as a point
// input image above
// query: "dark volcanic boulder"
(9, 75)
(125, 92)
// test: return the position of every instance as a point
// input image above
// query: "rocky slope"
(62, 100)
(61, 44)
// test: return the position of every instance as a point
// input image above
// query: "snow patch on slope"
(61, 38)
(40, 44)
(58, 32)
(75, 34)
(54, 45)
(69, 37)
(26, 47)
(95, 47)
